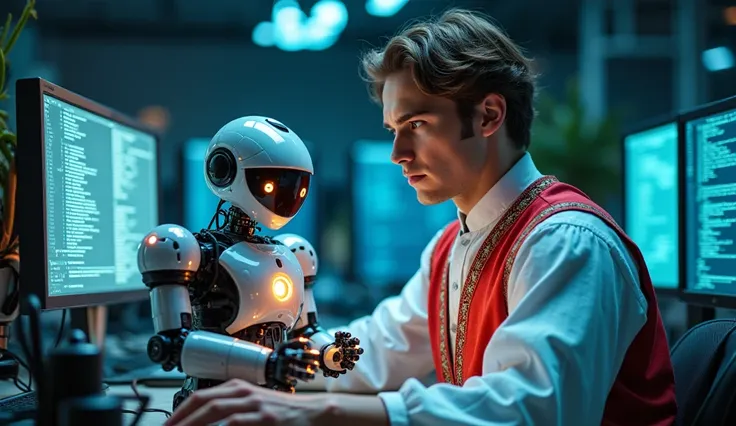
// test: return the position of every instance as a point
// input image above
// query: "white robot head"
(305, 253)
(260, 166)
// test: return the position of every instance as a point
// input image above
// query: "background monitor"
(708, 145)
(199, 203)
(390, 227)
(87, 196)
(651, 199)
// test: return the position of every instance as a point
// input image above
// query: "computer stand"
(698, 314)
(93, 321)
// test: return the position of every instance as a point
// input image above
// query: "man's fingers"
(218, 410)
(249, 419)
(231, 389)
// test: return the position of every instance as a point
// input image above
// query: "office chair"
(704, 362)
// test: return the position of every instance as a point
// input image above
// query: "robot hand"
(293, 360)
(344, 353)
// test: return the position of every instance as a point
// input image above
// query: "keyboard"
(18, 407)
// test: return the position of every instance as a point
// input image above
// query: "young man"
(533, 308)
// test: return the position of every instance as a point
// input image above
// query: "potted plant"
(580, 151)
(9, 242)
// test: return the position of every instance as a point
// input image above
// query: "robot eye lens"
(279, 190)
(221, 167)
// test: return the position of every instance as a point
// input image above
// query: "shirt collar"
(494, 203)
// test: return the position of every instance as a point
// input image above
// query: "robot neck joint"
(240, 224)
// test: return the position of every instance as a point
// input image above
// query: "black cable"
(143, 409)
(61, 329)
(24, 347)
(17, 381)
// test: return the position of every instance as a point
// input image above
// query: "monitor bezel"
(687, 295)
(318, 221)
(31, 220)
(653, 123)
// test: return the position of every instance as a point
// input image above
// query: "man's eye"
(416, 124)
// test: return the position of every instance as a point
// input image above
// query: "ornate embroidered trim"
(444, 337)
(573, 205)
(471, 281)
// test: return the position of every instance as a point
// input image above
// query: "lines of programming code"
(652, 200)
(711, 203)
(101, 198)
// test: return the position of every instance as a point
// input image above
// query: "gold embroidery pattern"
(444, 346)
(539, 218)
(484, 253)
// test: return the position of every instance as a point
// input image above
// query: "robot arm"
(169, 258)
(338, 353)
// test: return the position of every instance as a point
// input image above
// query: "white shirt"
(575, 306)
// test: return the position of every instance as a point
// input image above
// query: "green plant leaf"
(2, 70)
(569, 145)
(6, 152)
(8, 137)
(27, 13)
(6, 28)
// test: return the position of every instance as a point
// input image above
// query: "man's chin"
(428, 198)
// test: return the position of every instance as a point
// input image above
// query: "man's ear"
(492, 113)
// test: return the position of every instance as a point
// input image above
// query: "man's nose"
(402, 151)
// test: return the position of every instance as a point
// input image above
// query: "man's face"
(428, 141)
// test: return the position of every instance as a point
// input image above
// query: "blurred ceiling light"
(264, 34)
(291, 30)
(330, 14)
(718, 59)
(384, 8)
(288, 19)
(729, 15)
(155, 116)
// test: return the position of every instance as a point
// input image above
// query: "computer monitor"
(199, 203)
(708, 204)
(390, 227)
(87, 195)
(650, 173)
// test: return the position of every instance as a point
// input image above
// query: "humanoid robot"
(340, 352)
(224, 299)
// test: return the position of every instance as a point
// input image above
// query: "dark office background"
(192, 66)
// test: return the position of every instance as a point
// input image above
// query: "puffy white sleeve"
(395, 339)
(575, 307)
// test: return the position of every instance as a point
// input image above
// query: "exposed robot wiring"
(216, 217)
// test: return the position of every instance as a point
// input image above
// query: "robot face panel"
(260, 166)
(281, 191)
(270, 284)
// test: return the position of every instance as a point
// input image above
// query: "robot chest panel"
(269, 281)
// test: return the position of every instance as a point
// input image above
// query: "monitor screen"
(710, 203)
(200, 203)
(390, 227)
(101, 200)
(651, 200)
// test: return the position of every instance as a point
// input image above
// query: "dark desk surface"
(161, 398)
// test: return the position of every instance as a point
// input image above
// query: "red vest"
(644, 390)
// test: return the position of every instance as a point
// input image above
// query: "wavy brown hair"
(462, 56)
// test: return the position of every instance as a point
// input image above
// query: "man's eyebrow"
(406, 117)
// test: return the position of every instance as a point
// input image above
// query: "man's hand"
(241, 403)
